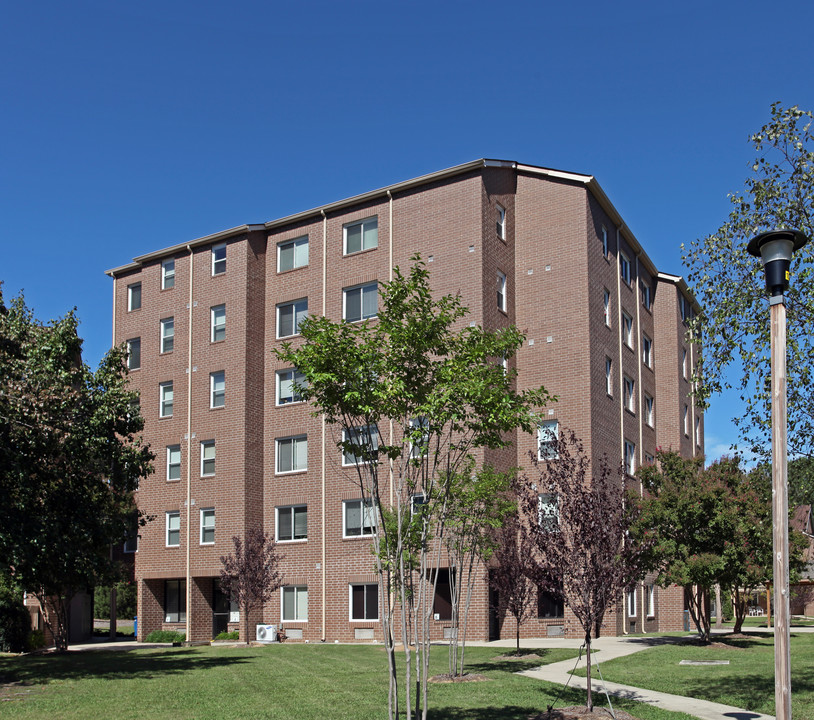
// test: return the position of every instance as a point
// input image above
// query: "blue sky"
(128, 127)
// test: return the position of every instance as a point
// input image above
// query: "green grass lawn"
(747, 682)
(275, 681)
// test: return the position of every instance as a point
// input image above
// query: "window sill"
(291, 542)
(286, 337)
(290, 472)
(291, 270)
(360, 620)
(359, 252)
(293, 402)
(358, 537)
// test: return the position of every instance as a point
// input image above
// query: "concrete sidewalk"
(613, 647)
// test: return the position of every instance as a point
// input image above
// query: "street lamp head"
(776, 248)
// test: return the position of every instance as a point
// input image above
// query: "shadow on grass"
(42, 669)
(504, 712)
(509, 664)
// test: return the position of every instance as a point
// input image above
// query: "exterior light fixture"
(776, 248)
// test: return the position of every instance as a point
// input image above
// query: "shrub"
(36, 640)
(165, 636)
(234, 635)
(15, 622)
(125, 601)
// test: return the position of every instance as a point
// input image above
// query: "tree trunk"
(719, 615)
(740, 609)
(589, 699)
(517, 651)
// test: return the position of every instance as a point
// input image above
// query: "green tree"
(70, 459)
(414, 397)
(730, 285)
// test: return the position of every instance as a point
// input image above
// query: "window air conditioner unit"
(266, 633)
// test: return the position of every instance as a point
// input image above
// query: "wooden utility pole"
(780, 511)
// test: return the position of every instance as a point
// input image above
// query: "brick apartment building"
(605, 332)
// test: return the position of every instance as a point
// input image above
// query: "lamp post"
(776, 248)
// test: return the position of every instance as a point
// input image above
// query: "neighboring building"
(542, 249)
(801, 599)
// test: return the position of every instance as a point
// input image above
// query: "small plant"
(165, 636)
(233, 635)
(36, 640)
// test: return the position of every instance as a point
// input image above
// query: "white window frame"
(629, 393)
(630, 604)
(206, 446)
(649, 459)
(609, 376)
(167, 334)
(165, 389)
(647, 350)
(366, 433)
(300, 258)
(417, 502)
(361, 289)
(219, 259)
(173, 462)
(686, 421)
(134, 358)
(168, 274)
(350, 603)
(548, 511)
(296, 377)
(298, 307)
(365, 225)
(624, 267)
(134, 297)
(647, 297)
(367, 516)
(651, 600)
(217, 323)
(207, 520)
(606, 305)
(548, 436)
(420, 449)
(649, 410)
(298, 591)
(684, 363)
(502, 289)
(295, 441)
(630, 457)
(292, 509)
(217, 395)
(604, 238)
(501, 222)
(627, 329)
(169, 517)
(698, 431)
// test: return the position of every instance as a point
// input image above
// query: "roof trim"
(679, 281)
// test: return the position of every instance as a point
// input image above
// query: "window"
(208, 457)
(362, 235)
(647, 298)
(289, 317)
(419, 440)
(292, 454)
(292, 254)
(649, 459)
(173, 520)
(292, 523)
(605, 249)
(217, 389)
(647, 351)
(501, 291)
(686, 421)
(698, 431)
(360, 303)
(501, 222)
(134, 354)
(648, 410)
(418, 504)
(651, 600)
(364, 602)
(361, 445)
(609, 376)
(548, 438)
(134, 297)
(627, 329)
(684, 363)
(173, 462)
(217, 321)
(359, 518)
(208, 526)
(630, 457)
(168, 274)
(624, 267)
(175, 601)
(549, 605)
(682, 306)
(219, 259)
(548, 511)
(606, 304)
(167, 335)
(630, 401)
(287, 380)
(442, 599)
(131, 539)
(166, 395)
(294, 603)
(631, 602)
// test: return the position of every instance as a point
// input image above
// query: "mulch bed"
(578, 712)
(447, 678)
(512, 656)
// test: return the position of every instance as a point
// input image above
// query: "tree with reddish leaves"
(251, 573)
(577, 528)
(511, 577)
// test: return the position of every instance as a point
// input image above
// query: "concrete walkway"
(613, 647)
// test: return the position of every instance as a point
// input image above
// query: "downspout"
(322, 513)
(621, 374)
(188, 577)
(390, 279)
(639, 362)
(693, 433)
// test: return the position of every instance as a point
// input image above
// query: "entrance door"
(220, 609)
